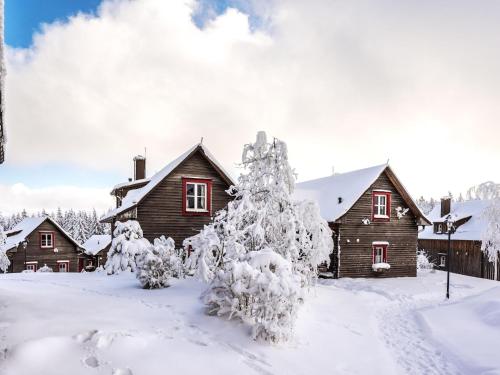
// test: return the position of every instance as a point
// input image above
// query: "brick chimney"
(139, 167)
(445, 206)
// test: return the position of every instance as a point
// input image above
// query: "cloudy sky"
(347, 84)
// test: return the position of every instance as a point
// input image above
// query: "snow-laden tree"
(4, 259)
(423, 261)
(158, 264)
(261, 217)
(490, 244)
(485, 191)
(127, 243)
(426, 205)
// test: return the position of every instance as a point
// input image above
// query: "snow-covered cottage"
(178, 200)
(374, 219)
(37, 241)
(469, 223)
(96, 248)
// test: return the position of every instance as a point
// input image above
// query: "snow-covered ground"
(97, 324)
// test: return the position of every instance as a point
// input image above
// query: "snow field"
(96, 324)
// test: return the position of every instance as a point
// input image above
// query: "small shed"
(96, 248)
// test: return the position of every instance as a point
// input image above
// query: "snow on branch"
(260, 252)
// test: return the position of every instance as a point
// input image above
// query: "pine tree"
(490, 241)
(158, 264)
(127, 243)
(4, 260)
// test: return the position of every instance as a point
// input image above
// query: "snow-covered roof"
(22, 230)
(96, 243)
(129, 183)
(133, 197)
(472, 230)
(349, 186)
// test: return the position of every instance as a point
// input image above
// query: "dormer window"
(46, 240)
(197, 195)
(381, 205)
(440, 228)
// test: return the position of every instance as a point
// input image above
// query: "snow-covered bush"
(262, 217)
(128, 242)
(261, 290)
(423, 261)
(158, 263)
(45, 268)
(99, 269)
(4, 259)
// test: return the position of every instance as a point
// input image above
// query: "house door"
(63, 266)
(80, 264)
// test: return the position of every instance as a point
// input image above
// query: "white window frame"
(378, 205)
(377, 248)
(47, 245)
(33, 266)
(196, 196)
(440, 228)
(442, 261)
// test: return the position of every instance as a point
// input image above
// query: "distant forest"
(81, 225)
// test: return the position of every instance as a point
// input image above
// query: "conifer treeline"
(79, 224)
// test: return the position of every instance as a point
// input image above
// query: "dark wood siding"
(356, 238)
(466, 258)
(67, 250)
(160, 213)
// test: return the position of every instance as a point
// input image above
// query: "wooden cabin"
(96, 248)
(39, 241)
(374, 222)
(466, 255)
(178, 200)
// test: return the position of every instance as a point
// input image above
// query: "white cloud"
(348, 84)
(19, 196)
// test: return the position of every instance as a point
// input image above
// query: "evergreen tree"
(4, 260)
(263, 248)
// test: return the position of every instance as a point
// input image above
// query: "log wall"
(67, 250)
(356, 238)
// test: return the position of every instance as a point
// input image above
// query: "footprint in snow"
(122, 371)
(92, 361)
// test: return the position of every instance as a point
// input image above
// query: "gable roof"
(22, 230)
(134, 197)
(141, 181)
(350, 186)
(96, 243)
(471, 230)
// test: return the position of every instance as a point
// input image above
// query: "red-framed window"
(47, 240)
(63, 266)
(381, 205)
(379, 253)
(196, 196)
(31, 266)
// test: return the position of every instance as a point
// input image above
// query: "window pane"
(190, 203)
(201, 190)
(201, 203)
(190, 189)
